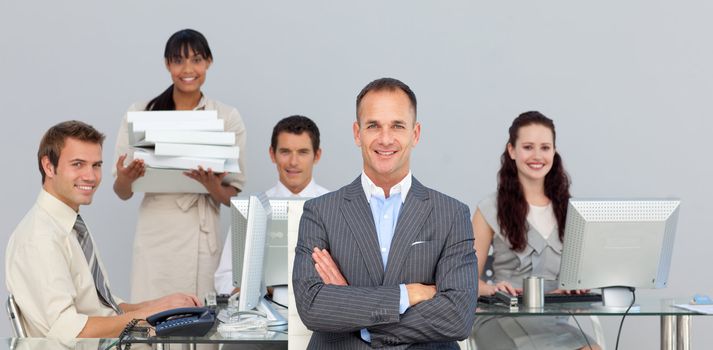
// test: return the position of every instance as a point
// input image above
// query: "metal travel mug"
(533, 292)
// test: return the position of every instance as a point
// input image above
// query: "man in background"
(294, 149)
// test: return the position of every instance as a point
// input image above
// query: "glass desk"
(268, 341)
(675, 322)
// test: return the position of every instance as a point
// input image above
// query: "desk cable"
(122, 336)
(633, 300)
(581, 330)
(269, 298)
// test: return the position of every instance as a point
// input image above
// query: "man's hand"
(418, 292)
(175, 300)
(172, 301)
(327, 268)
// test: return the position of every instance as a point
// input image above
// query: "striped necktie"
(85, 241)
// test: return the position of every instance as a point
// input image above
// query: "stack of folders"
(171, 142)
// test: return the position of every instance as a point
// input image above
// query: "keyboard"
(550, 298)
(570, 298)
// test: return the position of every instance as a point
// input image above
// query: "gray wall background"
(628, 84)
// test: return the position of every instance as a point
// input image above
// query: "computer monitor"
(618, 245)
(274, 271)
(276, 252)
(250, 226)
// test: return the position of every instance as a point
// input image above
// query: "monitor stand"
(275, 320)
(264, 309)
(619, 299)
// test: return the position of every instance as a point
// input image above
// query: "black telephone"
(185, 321)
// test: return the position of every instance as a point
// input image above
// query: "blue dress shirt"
(385, 212)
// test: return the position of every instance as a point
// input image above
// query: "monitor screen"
(276, 241)
(624, 243)
(275, 261)
(251, 221)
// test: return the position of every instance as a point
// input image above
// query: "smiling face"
(294, 158)
(386, 131)
(188, 73)
(77, 174)
(533, 152)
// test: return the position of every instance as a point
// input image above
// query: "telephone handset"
(185, 321)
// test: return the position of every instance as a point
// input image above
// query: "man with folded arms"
(385, 262)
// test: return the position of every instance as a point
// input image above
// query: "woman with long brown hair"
(524, 224)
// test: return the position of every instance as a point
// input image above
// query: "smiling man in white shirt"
(294, 149)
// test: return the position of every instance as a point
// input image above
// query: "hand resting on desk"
(490, 289)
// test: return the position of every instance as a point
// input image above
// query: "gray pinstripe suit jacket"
(432, 244)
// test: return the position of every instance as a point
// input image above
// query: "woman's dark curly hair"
(512, 206)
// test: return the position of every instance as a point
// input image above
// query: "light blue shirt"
(385, 212)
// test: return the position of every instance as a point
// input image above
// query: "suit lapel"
(357, 214)
(413, 214)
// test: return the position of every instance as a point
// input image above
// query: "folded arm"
(333, 306)
(330, 274)
(450, 314)
(330, 307)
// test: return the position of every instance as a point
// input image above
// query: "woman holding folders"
(176, 244)
(524, 224)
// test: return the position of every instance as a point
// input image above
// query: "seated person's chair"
(13, 314)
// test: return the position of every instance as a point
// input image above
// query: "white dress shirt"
(371, 189)
(47, 272)
(224, 273)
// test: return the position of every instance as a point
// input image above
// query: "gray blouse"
(541, 257)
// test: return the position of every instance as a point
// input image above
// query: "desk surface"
(278, 341)
(213, 337)
(269, 338)
(648, 306)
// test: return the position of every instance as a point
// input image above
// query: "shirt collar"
(58, 210)
(201, 103)
(371, 189)
(309, 191)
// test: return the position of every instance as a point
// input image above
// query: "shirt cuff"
(403, 306)
(403, 299)
(365, 335)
